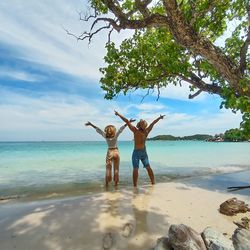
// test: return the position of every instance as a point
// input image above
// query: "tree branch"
(191, 96)
(146, 94)
(201, 85)
(86, 16)
(244, 48)
(106, 19)
(155, 20)
(185, 35)
(197, 63)
(142, 7)
(89, 35)
(158, 92)
(196, 14)
(116, 9)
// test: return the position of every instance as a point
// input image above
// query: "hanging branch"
(87, 17)
(201, 85)
(191, 96)
(147, 94)
(88, 35)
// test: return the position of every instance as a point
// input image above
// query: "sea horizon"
(120, 141)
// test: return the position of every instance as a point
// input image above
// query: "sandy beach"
(125, 219)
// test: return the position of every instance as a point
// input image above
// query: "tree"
(234, 135)
(176, 42)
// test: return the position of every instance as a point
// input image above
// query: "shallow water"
(59, 168)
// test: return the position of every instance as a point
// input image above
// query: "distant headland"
(232, 135)
(197, 137)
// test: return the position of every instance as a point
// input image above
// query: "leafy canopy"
(203, 43)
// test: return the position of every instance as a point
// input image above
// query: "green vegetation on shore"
(235, 134)
(197, 137)
(231, 135)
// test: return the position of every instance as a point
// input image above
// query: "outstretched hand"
(88, 124)
(116, 113)
(161, 116)
(132, 120)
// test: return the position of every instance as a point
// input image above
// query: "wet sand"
(125, 219)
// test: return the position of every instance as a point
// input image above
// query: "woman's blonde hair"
(110, 131)
(142, 124)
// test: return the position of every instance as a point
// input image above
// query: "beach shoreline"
(75, 168)
(128, 218)
(213, 182)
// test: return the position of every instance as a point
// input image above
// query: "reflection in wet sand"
(141, 238)
(127, 220)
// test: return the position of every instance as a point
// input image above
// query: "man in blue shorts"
(140, 132)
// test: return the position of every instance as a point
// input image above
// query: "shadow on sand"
(111, 220)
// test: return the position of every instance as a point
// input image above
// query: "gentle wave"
(83, 188)
(50, 169)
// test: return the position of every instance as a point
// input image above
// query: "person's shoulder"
(135, 129)
(140, 133)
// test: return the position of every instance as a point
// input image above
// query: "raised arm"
(149, 128)
(120, 130)
(90, 124)
(123, 127)
(128, 122)
(98, 130)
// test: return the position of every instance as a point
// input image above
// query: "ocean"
(37, 170)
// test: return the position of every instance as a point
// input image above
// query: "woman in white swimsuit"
(113, 155)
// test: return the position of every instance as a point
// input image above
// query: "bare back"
(139, 138)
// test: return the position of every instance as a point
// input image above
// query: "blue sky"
(49, 82)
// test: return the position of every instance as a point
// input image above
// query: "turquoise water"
(52, 168)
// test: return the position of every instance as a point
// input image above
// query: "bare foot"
(136, 190)
(107, 241)
(127, 230)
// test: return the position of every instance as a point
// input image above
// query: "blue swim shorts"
(140, 154)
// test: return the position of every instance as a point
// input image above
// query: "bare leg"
(135, 176)
(108, 177)
(151, 174)
(116, 169)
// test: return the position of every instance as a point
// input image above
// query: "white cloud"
(174, 92)
(181, 93)
(35, 30)
(149, 107)
(19, 75)
(180, 124)
(62, 117)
